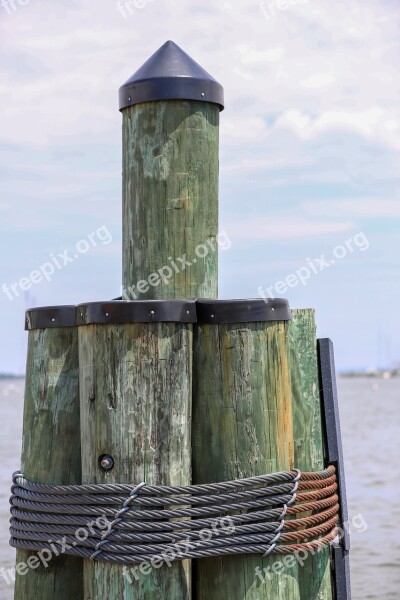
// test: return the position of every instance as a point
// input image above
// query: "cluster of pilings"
(168, 389)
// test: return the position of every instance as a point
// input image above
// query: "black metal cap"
(170, 74)
(243, 311)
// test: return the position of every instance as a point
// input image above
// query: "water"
(369, 410)
(11, 398)
(371, 440)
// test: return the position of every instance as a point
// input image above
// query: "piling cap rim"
(170, 74)
(47, 317)
(137, 311)
(190, 310)
(248, 310)
(112, 312)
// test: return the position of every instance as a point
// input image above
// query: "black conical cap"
(170, 74)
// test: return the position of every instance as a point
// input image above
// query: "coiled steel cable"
(148, 522)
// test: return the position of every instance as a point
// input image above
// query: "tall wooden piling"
(51, 450)
(170, 111)
(242, 426)
(143, 396)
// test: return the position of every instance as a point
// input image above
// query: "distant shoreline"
(10, 376)
(389, 374)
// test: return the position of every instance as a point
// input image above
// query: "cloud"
(265, 163)
(357, 208)
(251, 56)
(243, 128)
(311, 116)
(318, 80)
(374, 124)
(300, 64)
(283, 227)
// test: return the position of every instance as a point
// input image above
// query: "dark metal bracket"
(334, 455)
(242, 311)
(188, 310)
(114, 312)
(47, 317)
(137, 311)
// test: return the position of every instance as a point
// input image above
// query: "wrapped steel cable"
(131, 524)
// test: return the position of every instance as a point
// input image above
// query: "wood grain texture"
(170, 198)
(51, 452)
(242, 426)
(136, 390)
(315, 575)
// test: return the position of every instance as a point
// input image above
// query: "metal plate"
(50, 316)
(334, 455)
(243, 311)
(137, 311)
(154, 311)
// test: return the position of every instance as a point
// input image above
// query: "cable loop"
(136, 523)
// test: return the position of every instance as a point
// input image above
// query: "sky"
(309, 155)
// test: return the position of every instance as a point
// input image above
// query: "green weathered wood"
(170, 199)
(136, 390)
(242, 426)
(314, 576)
(51, 452)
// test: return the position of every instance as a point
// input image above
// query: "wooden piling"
(51, 450)
(242, 426)
(315, 575)
(136, 381)
(170, 179)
